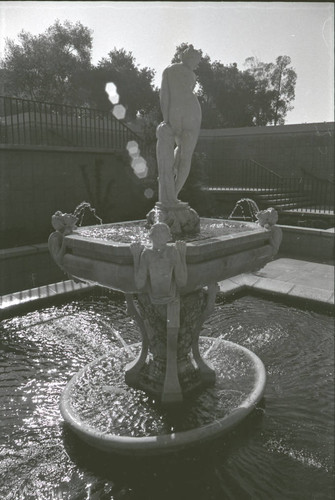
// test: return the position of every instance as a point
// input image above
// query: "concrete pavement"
(288, 277)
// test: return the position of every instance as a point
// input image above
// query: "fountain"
(168, 267)
(246, 205)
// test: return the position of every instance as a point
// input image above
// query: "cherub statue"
(63, 224)
(268, 219)
(160, 270)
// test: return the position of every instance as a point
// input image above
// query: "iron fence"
(26, 122)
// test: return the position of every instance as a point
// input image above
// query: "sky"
(228, 32)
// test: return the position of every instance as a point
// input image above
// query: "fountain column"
(169, 364)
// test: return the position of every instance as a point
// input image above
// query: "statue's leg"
(133, 369)
(188, 141)
(177, 153)
(165, 161)
(207, 373)
(172, 392)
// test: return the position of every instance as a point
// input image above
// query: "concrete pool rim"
(167, 443)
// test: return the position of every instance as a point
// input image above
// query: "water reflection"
(283, 450)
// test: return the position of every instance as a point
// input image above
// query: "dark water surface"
(283, 450)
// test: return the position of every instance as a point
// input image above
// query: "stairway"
(277, 198)
(249, 179)
(283, 200)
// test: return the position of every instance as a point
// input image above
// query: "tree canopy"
(134, 84)
(42, 67)
(259, 95)
(56, 66)
(275, 89)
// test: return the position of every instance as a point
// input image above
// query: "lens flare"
(133, 148)
(112, 92)
(119, 111)
(139, 165)
(148, 193)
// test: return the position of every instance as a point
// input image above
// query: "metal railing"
(320, 193)
(245, 173)
(311, 193)
(26, 122)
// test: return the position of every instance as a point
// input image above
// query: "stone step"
(284, 201)
(241, 190)
(283, 195)
(288, 206)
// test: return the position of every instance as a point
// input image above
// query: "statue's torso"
(161, 267)
(183, 103)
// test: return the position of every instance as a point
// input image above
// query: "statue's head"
(191, 57)
(268, 217)
(63, 222)
(160, 234)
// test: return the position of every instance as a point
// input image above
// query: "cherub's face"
(61, 221)
(57, 223)
(268, 216)
(159, 238)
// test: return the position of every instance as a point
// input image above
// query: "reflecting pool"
(283, 450)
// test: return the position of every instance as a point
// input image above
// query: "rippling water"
(284, 450)
(136, 231)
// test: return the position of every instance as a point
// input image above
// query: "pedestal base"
(180, 218)
(107, 414)
(169, 366)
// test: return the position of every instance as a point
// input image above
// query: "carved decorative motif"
(63, 224)
(268, 219)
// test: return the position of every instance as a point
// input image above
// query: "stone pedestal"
(180, 217)
(169, 366)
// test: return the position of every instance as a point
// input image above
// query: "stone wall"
(36, 182)
(289, 150)
(308, 243)
(27, 267)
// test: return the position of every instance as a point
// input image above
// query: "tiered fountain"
(180, 388)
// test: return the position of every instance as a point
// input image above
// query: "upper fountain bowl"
(223, 248)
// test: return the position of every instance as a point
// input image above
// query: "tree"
(225, 93)
(231, 92)
(283, 80)
(275, 89)
(42, 67)
(229, 97)
(134, 84)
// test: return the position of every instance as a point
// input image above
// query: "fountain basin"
(107, 414)
(223, 250)
(287, 444)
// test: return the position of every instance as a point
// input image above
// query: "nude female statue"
(182, 119)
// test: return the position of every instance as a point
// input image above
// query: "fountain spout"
(248, 207)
